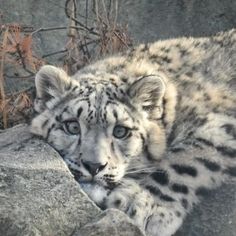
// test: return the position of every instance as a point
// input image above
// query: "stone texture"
(110, 222)
(163, 19)
(215, 215)
(38, 194)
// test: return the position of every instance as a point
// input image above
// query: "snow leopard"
(147, 131)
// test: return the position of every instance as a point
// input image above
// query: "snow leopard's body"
(147, 132)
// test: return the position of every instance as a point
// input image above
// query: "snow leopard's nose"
(93, 168)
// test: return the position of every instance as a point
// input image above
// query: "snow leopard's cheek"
(63, 145)
(62, 142)
(130, 148)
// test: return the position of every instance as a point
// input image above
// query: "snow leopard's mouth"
(105, 183)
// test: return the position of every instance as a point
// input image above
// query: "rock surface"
(162, 19)
(214, 216)
(110, 222)
(39, 196)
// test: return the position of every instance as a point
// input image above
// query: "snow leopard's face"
(102, 131)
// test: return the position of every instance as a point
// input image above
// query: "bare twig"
(116, 13)
(55, 3)
(105, 12)
(109, 36)
(86, 13)
(56, 28)
(22, 58)
(68, 14)
(92, 34)
(121, 39)
(54, 53)
(2, 91)
(19, 76)
(71, 31)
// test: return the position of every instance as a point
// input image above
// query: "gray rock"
(111, 222)
(215, 215)
(162, 19)
(38, 194)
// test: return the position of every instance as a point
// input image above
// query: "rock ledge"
(39, 196)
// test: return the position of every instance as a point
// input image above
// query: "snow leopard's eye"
(72, 127)
(120, 131)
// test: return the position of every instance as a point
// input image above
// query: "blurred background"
(72, 33)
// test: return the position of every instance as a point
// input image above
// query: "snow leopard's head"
(103, 128)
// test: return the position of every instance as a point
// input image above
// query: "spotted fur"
(149, 131)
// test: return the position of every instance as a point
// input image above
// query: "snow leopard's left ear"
(51, 82)
(147, 94)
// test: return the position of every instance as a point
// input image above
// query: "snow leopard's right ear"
(147, 94)
(51, 82)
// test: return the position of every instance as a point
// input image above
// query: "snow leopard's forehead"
(101, 86)
(98, 102)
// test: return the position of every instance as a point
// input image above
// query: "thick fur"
(176, 98)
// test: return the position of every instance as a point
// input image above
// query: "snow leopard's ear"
(147, 94)
(51, 82)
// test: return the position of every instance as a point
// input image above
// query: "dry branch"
(92, 32)
(100, 27)
(3, 101)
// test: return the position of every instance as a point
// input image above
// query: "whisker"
(141, 166)
(136, 170)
